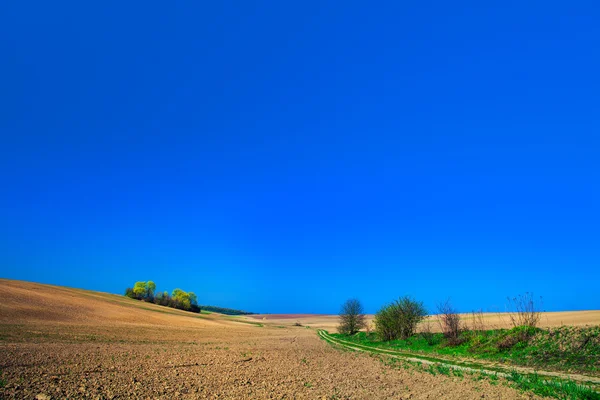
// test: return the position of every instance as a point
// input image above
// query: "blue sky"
(283, 157)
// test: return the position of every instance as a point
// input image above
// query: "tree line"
(226, 311)
(146, 291)
(400, 318)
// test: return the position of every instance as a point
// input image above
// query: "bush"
(508, 342)
(450, 322)
(524, 311)
(427, 333)
(352, 317)
(399, 319)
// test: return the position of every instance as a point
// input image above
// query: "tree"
(151, 289)
(386, 322)
(163, 299)
(352, 317)
(399, 319)
(140, 289)
(182, 299)
(411, 313)
(194, 307)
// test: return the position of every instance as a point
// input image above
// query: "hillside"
(27, 303)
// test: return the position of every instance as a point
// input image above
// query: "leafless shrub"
(450, 322)
(524, 310)
(477, 323)
(352, 318)
(297, 324)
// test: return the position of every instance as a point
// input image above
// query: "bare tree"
(352, 318)
(449, 321)
(524, 311)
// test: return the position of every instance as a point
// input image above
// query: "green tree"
(399, 319)
(140, 289)
(129, 293)
(182, 299)
(151, 289)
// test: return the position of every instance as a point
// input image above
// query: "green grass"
(572, 349)
(566, 348)
(443, 369)
(432, 370)
(543, 386)
(558, 389)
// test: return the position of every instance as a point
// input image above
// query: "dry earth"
(492, 320)
(66, 343)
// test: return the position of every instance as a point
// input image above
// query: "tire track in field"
(469, 367)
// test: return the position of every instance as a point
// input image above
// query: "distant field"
(492, 320)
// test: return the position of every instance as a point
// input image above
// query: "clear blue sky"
(282, 157)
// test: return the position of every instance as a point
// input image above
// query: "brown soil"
(67, 343)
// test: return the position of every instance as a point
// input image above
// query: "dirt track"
(60, 343)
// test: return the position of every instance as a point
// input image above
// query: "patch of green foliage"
(558, 389)
(432, 370)
(146, 291)
(573, 349)
(399, 319)
(443, 369)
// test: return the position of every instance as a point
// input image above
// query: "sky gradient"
(283, 157)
